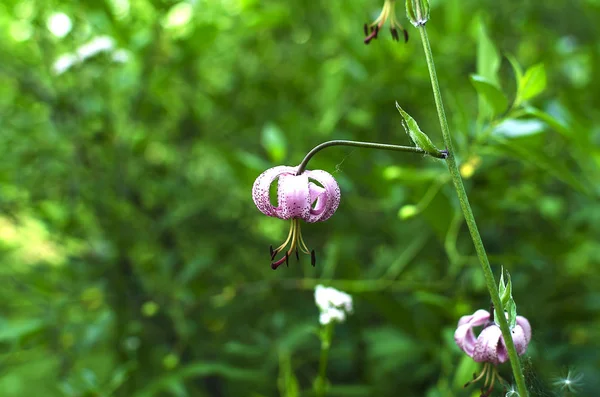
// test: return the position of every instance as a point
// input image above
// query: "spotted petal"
(490, 346)
(293, 197)
(327, 198)
(464, 336)
(524, 323)
(261, 187)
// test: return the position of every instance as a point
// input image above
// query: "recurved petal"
(465, 338)
(293, 197)
(490, 347)
(260, 189)
(524, 323)
(327, 201)
(519, 339)
(480, 317)
(318, 198)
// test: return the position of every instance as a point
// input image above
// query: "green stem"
(321, 381)
(369, 145)
(470, 219)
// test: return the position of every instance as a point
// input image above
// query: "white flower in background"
(64, 63)
(91, 48)
(333, 304)
(95, 46)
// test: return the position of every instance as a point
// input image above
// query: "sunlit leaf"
(490, 93)
(533, 82)
(515, 128)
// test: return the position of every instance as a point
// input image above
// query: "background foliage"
(134, 262)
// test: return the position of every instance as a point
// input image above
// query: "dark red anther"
(405, 35)
(273, 253)
(287, 257)
(297, 256)
(313, 258)
(373, 35)
(277, 263)
(394, 32)
(366, 29)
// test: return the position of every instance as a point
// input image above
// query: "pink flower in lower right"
(489, 346)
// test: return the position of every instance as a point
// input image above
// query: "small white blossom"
(333, 304)
(90, 49)
(95, 46)
(64, 63)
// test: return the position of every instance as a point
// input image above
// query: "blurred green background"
(134, 263)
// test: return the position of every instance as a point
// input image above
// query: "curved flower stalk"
(298, 197)
(489, 346)
(387, 13)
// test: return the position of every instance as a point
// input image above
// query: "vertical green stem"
(470, 219)
(321, 381)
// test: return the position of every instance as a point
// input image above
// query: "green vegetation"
(134, 262)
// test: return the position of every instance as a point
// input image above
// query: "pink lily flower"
(298, 197)
(489, 346)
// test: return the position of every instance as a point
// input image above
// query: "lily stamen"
(296, 245)
(387, 13)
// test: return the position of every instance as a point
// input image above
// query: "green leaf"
(490, 93)
(15, 330)
(488, 59)
(552, 121)
(518, 71)
(501, 284)
(534, 82)
(530, 152)
(274, 142)
(416, 135)
(514, 128)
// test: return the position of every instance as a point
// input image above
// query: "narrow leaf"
(518, 71)
(416, 135)
(488, 59)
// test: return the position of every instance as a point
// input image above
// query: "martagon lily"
(298, 197)
(489, 346)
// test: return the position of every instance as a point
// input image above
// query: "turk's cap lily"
(297, 195)
(333, 304)
(312, 196)
(489, 345)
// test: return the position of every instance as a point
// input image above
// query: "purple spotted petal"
(490, 347)
(327, 198)
(318, 198)
(260, 189)
(480, 317)
(464, 336)
(524, 323)
(519, 339)
(293, 197)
